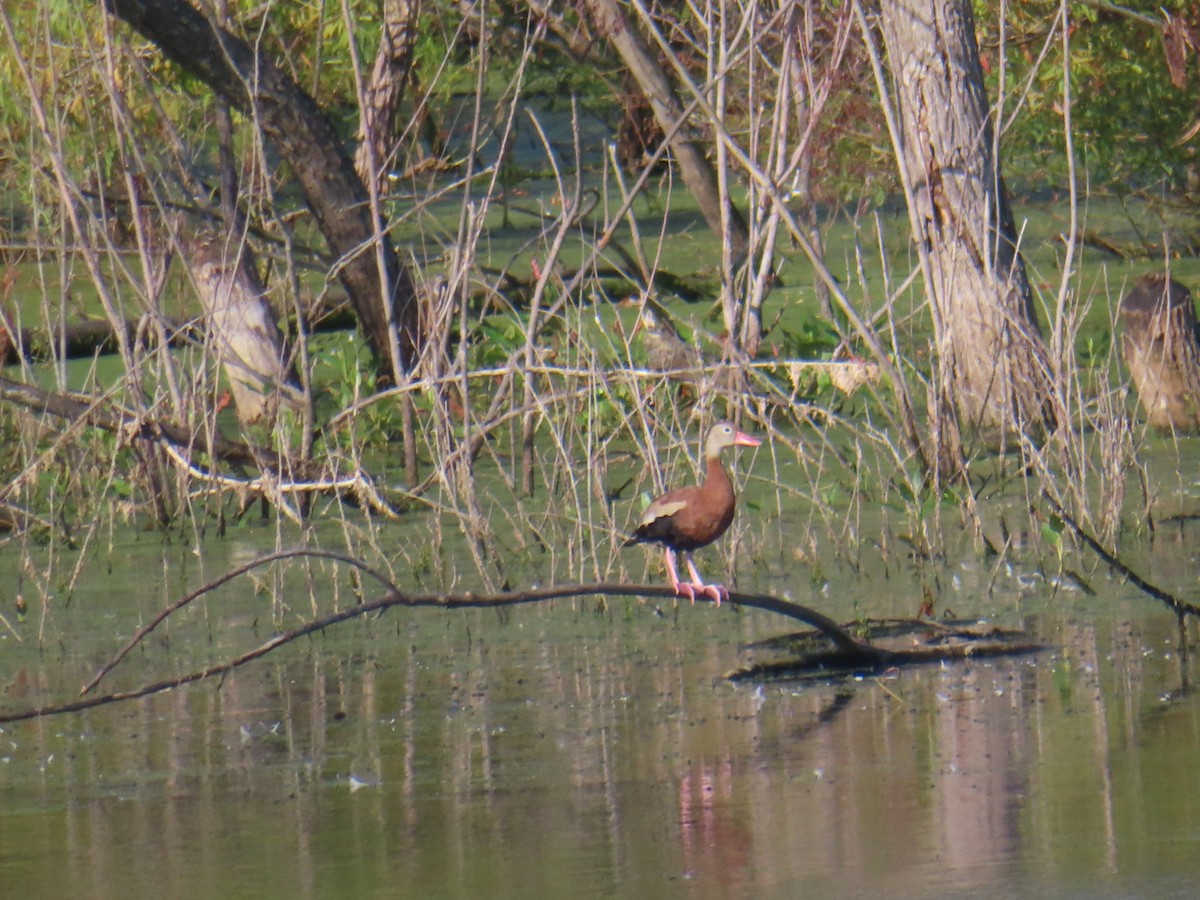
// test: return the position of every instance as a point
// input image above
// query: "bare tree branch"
(849, 651)
(305, 137)
(848, 646)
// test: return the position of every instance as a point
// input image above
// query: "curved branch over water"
(849, 652)
(842, 639)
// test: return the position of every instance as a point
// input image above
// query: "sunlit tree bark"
(243, 330)
(993, 364)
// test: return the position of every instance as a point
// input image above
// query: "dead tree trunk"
(379, 285)
(1161, 349)
(993, 367)
(385, 91)
(242, 328)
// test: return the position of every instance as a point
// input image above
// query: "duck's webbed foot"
(686, 589)
(682, 588)
(718, 592)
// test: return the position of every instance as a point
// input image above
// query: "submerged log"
(243, 329)
(1160, 347)
(916, 642)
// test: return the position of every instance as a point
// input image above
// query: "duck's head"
(723, 435)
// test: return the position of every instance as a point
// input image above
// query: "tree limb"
(95, 412)
(304, 136)
(848, 651)
(1181, 607)
(848, 646)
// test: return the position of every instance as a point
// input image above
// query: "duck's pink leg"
(718, 592)
(682, 588)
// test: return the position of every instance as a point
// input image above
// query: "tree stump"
(242, 329)
(1160, 347)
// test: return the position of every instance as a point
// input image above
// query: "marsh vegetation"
(374, 293)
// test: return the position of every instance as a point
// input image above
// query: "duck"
(685, 519)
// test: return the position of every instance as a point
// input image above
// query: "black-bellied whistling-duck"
(688, 518)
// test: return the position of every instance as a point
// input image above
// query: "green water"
(583, 750)
(574, 750)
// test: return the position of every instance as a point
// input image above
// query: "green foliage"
(1127, 117)
(812, 337)
(1094, 349)
(496, 338)
(1052, 530)
(342, 378)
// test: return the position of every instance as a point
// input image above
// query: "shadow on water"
(599, 750)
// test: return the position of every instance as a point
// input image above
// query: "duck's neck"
(716, 480)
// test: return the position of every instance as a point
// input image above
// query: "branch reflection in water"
(603, 753)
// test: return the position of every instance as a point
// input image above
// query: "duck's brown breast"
(691, 517)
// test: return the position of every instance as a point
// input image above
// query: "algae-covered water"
(595, 748)
(588, 750)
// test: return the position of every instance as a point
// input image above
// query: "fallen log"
(99, 414)
(75, 340)
(928, 641)
(85, 338)
(279, 478)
